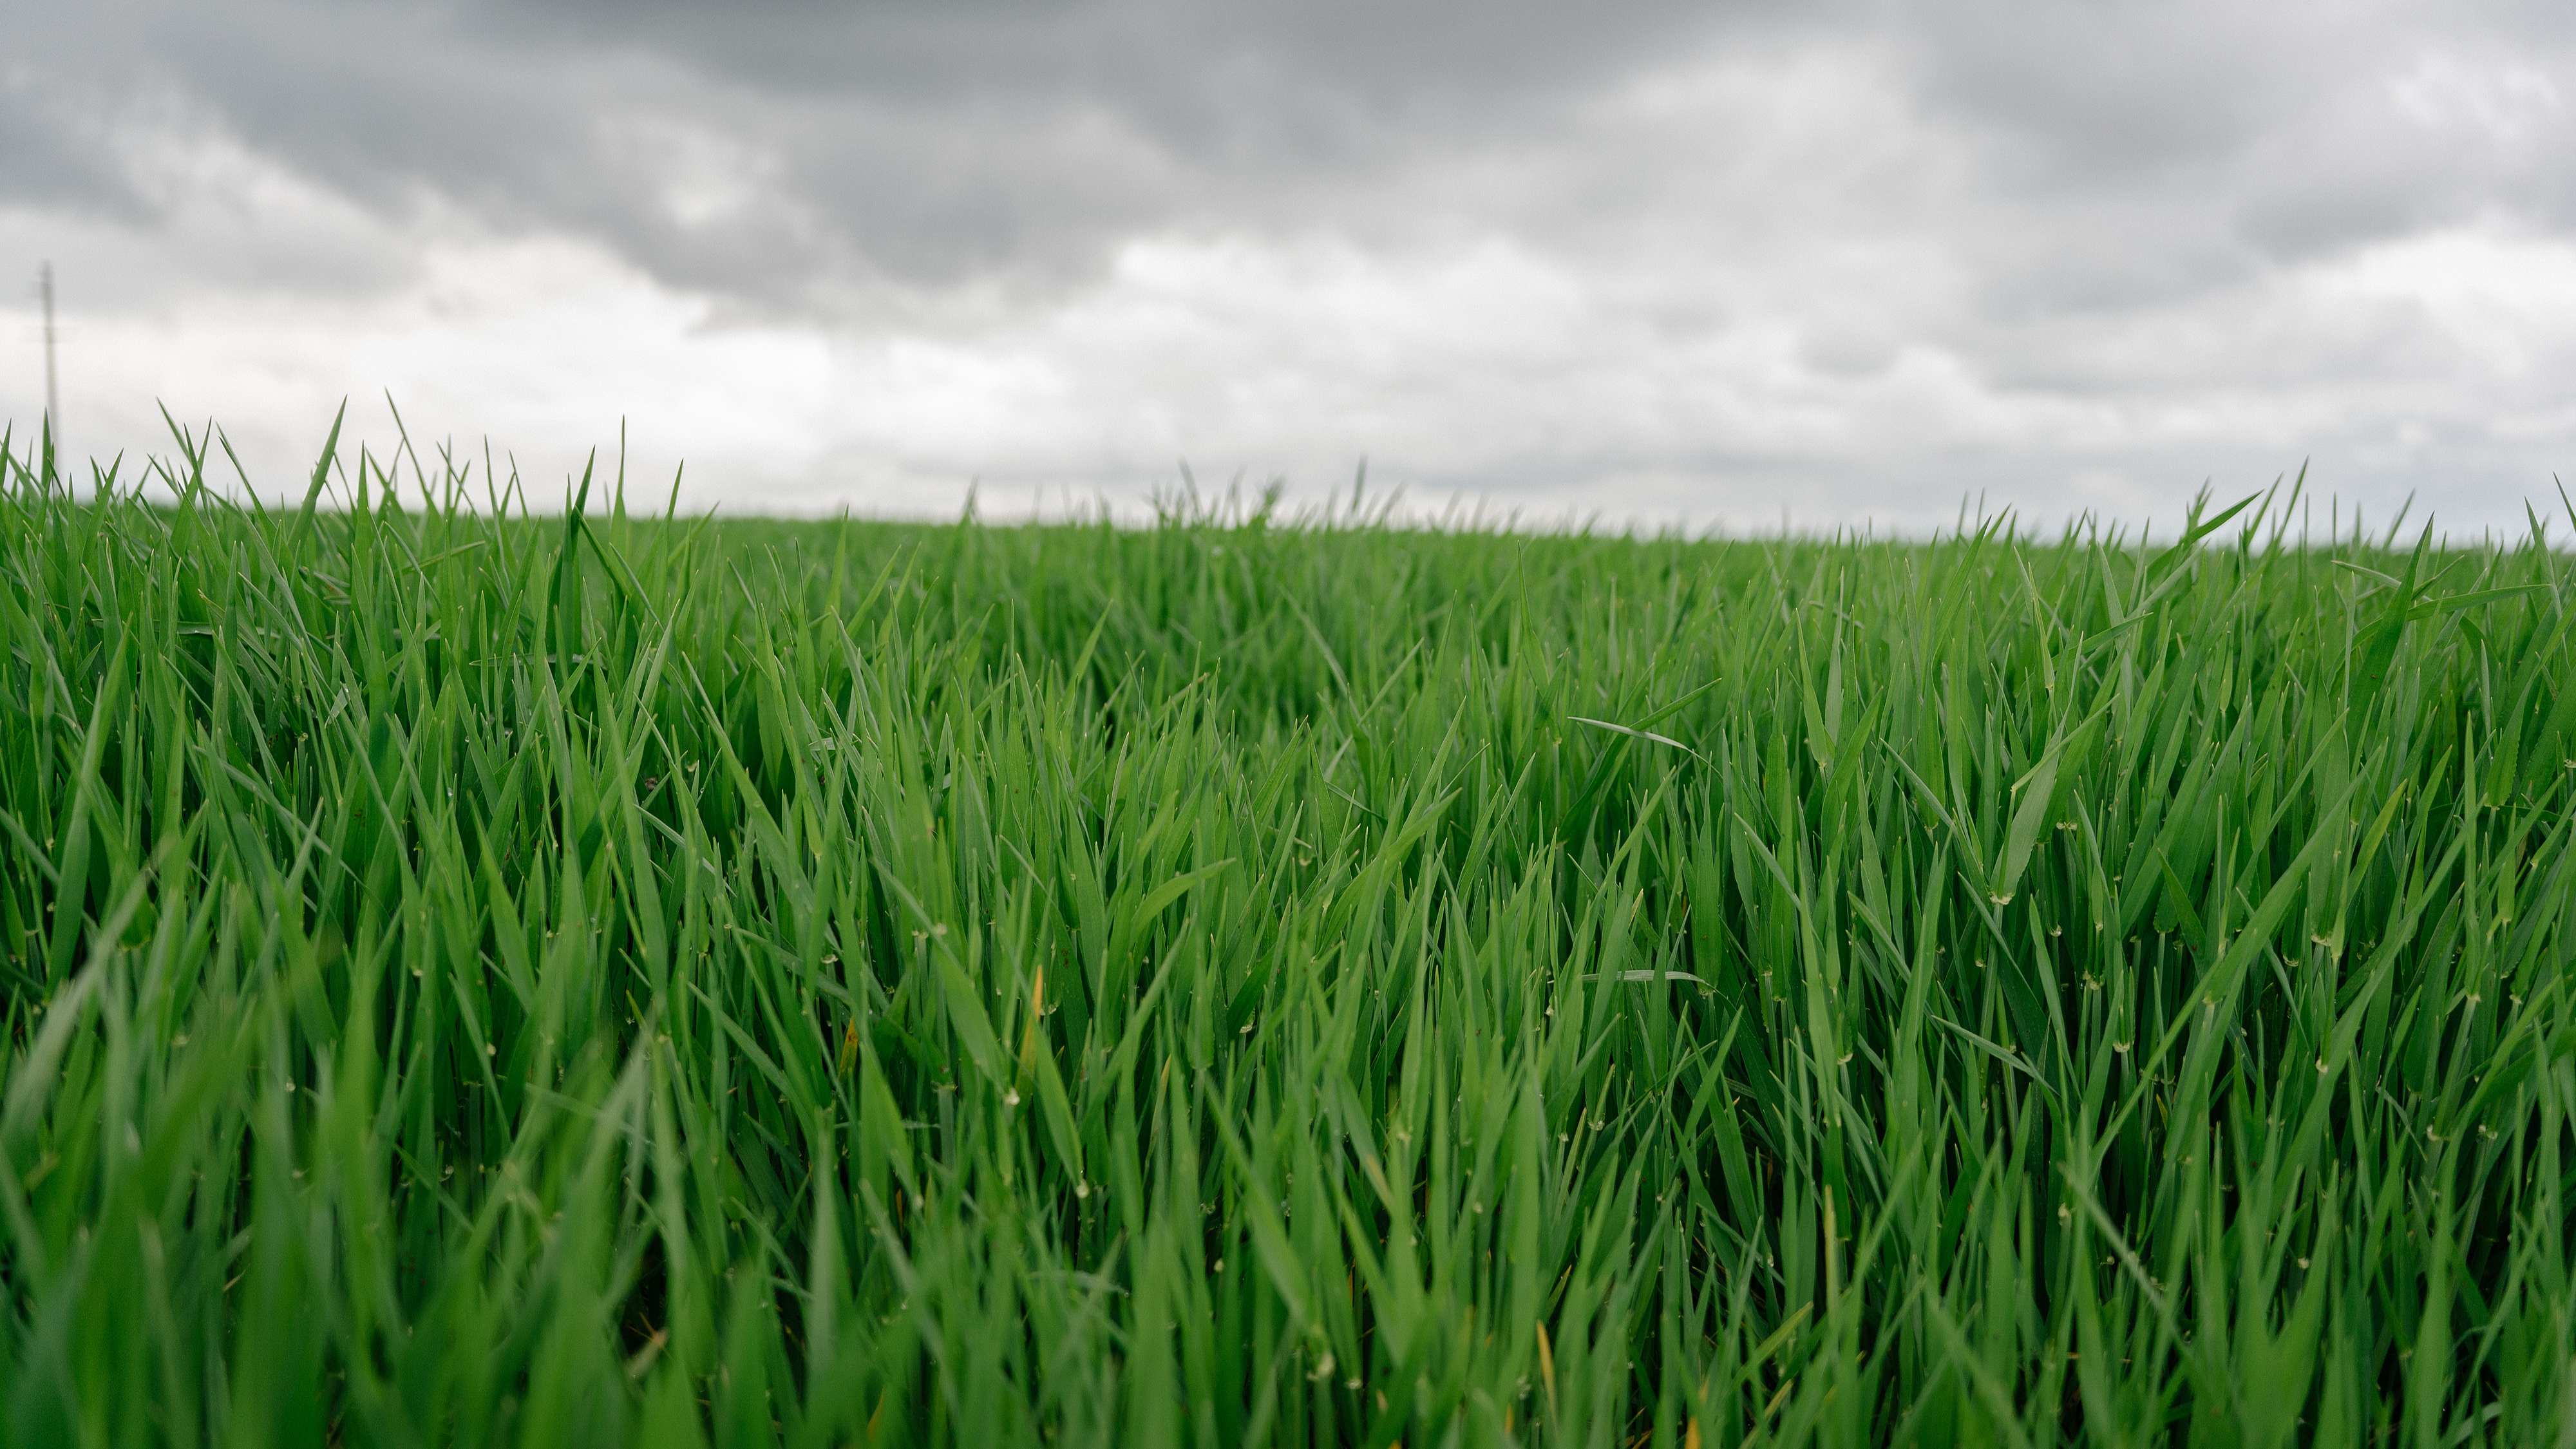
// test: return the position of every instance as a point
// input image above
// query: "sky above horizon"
(1650, 264)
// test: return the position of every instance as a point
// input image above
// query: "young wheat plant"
(473, 978)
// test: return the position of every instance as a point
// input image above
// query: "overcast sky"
(1655, 263)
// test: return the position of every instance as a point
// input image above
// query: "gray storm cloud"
(1657, 262)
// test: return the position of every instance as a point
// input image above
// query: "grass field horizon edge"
(328, 484)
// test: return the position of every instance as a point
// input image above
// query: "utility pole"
(53, 397)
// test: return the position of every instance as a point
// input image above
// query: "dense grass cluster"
(478, 979)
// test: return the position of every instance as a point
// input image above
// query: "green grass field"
(1244, 981)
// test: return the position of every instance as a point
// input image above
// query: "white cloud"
(2506, 102)
(702, 175)
(1770, 273)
